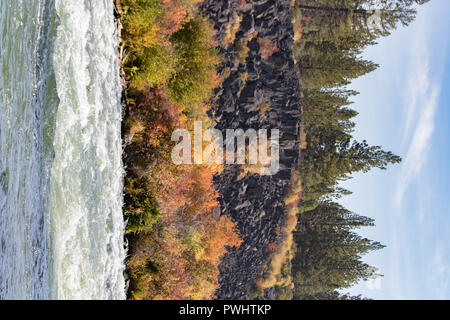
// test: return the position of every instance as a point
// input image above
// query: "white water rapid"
(61, 174)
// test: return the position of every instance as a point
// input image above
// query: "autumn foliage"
(176, 238)
(267, 48)
(179, 258)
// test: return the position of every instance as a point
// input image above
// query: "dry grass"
(242, 50)
(263, 108)
(284, 253)
(244, 77)
(231, 29)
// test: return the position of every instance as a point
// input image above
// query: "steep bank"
(260, 90)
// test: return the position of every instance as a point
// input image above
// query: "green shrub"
(197, 58)
(284, 292)
(192, 239)
(139, 23)
(140, 206)
(149, 62)
(155, 66)
(152, 267)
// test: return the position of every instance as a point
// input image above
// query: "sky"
(403, 107)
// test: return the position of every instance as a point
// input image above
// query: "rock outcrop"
(260, 91)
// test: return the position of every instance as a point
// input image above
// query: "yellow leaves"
(171, 66)
(149, 38)
(263, 108)
(131, 71)
(242, 50)
(232, 28)
(192, 240)
(267, 48)
(244, 77)
(203, 290)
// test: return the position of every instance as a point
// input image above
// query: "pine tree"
(328, 58)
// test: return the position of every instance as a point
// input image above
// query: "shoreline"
(124, 90)
(171, 231)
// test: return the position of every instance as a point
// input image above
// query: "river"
(61, 173)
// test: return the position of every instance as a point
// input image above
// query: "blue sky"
(404, 108)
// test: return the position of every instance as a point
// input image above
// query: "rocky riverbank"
(260, 90)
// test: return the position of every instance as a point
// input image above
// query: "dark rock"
(255, 202)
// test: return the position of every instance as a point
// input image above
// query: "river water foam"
(61, 175)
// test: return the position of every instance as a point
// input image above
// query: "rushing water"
(61, 225)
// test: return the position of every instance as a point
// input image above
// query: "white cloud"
(418, 77)
(421, 99)
(418, 87)
(421, 141)
(440, 274)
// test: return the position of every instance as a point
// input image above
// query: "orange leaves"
(188, 241)
(152, 22)
(201, 194)
(242, 3)
(175, 14)
(171, 68)
(187, 208)
(298, 32)
(267, 48)
(221, 234)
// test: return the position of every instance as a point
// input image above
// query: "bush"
(155, 66)
(176, 241)
(197, 59)
(140, 23)
(140, 207)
